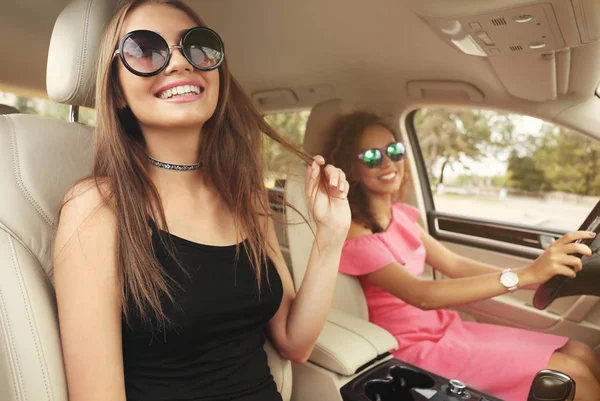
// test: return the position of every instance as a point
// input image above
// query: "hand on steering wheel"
(559, 258)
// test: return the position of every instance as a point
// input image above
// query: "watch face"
(509, 279)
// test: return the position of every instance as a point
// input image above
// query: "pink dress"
(501, 361)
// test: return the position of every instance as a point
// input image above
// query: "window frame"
(505, 237)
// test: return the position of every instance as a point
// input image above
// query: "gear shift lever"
(550, 385)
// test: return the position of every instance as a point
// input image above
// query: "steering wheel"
(587, 282)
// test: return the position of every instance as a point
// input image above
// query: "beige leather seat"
(348, 296)
(40, 159)
(348, 344)
(6, 109)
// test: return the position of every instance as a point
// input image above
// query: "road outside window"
(508, 167)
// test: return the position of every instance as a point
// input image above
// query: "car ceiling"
(351, 49)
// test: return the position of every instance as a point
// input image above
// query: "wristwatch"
(510, 280)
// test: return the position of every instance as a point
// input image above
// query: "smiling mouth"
(180, 91)
(389, 176)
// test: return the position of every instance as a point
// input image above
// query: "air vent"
(516, 48)
(499, 21)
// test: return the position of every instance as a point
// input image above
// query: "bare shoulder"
(85, 214)
(357, 230)
(85, 197)
(86, 193)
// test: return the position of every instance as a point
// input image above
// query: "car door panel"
(577, 317)
(491, 221)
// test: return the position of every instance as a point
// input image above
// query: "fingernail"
(334, 182)
(592, 234)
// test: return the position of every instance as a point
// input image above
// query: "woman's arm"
(450, 263)
(296, 325)
(427, 294)
(87, 292)
(301, 316)
(438, 294)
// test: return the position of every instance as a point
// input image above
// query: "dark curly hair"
(341, 151)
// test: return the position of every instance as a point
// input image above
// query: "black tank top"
(214, 349)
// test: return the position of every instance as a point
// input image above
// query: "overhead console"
(530, 44)
(519, 30)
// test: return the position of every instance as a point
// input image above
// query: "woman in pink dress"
(387, 251)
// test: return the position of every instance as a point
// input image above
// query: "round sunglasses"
(146, 53)
(373, 157)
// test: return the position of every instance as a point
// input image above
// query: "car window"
(45, 107)
(290, 125)
(508, 167)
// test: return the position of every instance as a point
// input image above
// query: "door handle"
(546, 240)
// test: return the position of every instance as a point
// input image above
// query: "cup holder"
(410, 378)
(397, 385)
(382, 390)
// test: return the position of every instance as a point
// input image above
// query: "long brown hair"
(120, 173)
(342, 150)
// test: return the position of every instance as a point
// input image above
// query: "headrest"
(6, 109)
(321, 116)
(72, 57)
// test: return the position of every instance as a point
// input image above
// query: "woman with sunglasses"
(387, 250)
(167, 269)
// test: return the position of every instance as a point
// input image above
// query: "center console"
(395, 380)
(352, 361)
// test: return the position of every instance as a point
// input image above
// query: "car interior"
(536, 58)
(6, 109)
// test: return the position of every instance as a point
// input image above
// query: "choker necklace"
(171, 166)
